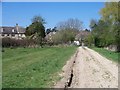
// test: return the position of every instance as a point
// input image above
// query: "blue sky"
(52, 12)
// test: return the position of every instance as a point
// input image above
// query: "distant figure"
(82, 44)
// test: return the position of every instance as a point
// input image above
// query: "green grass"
(108, 54)
(34, 67)
(0, 69)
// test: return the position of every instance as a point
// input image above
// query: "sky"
(52, 12)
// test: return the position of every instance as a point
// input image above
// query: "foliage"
(66, 31)
(33, 67)
(48, 30)
(111, 13)
(89, 40)
(64, 36)
(93, 23)
(54, 29)
(38, 19)
(9, 42)
(98, 33)
(51, 30)
(106, 31)
(36, 30)
(102, 34)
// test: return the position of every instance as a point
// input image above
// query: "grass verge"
(33, 67)
(114, 56)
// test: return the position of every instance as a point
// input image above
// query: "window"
(3, 35)
(12, 30)
(19, 34)
(1, 29)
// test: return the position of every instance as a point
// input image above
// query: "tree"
(67, 30)
(63, 37)
(101, 32)
(87, 30)
(71, 23)
(106, 31)
(54, 29)
(93, 23)
(48, 30)
(36, 30)
(51, 30)
(38, 19)
(89, 40)
(111, 13)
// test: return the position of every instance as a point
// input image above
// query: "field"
(34, 67)
(114, 56)
(0, 69)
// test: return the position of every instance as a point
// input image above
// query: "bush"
(9, 42)
(61, 37)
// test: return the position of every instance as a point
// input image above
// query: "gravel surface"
(90, 70)
(94, 71)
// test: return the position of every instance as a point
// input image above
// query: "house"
(49, 37)
(81, 36)
(16, 32)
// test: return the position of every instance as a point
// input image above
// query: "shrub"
(10, 42)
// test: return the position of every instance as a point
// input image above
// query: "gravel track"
(89, 69)
(94, 71)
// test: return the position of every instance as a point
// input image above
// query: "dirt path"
(91, 70)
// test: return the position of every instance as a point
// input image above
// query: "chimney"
(17, 27)
(16, 24)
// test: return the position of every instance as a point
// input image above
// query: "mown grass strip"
(34, 67)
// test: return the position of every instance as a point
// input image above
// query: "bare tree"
(71, 23)
(67, 30)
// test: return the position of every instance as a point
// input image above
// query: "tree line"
(65, 31)
(106, 30)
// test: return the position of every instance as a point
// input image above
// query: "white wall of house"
(77, 43)
(15, 36)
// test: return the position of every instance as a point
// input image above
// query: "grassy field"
(0, 69)
(108, 54)
(34, 67)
